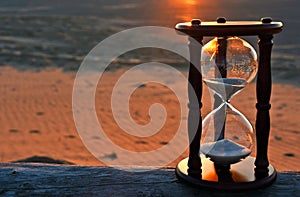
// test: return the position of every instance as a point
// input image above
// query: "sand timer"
(221, 153)
(228, 64)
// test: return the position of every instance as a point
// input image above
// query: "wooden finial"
(266, 20)
(221, 20)
(196, 22)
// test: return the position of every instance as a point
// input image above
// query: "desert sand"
(36, 117)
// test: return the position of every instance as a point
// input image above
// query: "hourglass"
(228, 64)
(221, 148)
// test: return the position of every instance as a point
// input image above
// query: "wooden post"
(194, 116)
(263, 93)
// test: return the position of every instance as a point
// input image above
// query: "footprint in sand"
(96, 137)
(164, 143)
(112, 156)
(40, 113)
(289, 154)
(141, 142)
(141, 86)
(296, 132)
(14, 131)
(35, 131)
(70, 136)
(283, 105)
(172, 117)
(278, 138)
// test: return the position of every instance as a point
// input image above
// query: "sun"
(191, 2)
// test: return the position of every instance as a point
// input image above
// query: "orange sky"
(190, 9)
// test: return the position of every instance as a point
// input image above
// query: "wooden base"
(240, 177)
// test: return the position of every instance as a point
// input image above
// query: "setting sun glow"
(186, 10)
(190, 2)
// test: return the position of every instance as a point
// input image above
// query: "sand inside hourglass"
(225, 151)
(225, 87)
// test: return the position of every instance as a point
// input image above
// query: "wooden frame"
(192, 170)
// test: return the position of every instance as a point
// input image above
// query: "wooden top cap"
(222, 27)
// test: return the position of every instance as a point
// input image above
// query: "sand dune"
(36, 118)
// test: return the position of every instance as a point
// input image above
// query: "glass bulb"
(229, 57)
(228, 64)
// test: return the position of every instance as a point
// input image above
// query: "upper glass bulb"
(229, 57)
(228, 64)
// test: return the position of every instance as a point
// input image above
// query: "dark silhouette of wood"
(235, 177)
(194, 116)
(221, 57)
(222, 28)
(263, 93)
(230, 28)
(64, 180)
